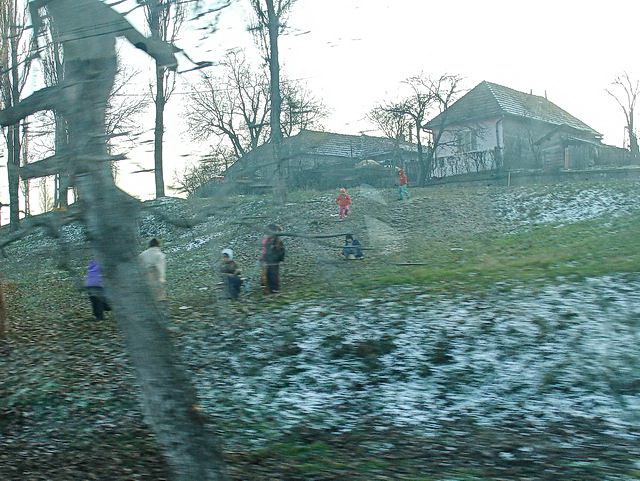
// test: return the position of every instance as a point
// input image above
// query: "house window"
(466, 141)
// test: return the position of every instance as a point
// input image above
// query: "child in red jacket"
(343, 200)
(402, 185)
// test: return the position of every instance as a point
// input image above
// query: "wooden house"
(494, 127)
(314, 159)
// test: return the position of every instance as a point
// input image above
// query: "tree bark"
(11, 91)
(276, 102)
(13, 168)
(274, 71)
(159, 131)
(159, 100)
(24, 156)
(168, 398)
(62, 178)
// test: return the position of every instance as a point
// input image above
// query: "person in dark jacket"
(95, 289)
(271, 228)
(230, 275)
(350, 250)
(273, 256)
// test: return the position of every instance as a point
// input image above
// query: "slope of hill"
(505, 351)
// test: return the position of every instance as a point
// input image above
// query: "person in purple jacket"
(95, 289)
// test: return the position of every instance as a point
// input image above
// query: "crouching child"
(230, 272)
(351, 249)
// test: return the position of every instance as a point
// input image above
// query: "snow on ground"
(566, 202)
(563, 354)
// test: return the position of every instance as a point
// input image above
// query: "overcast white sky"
(357, 52)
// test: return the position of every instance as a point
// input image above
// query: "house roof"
(324, 144)
(313, 142)
(488, 100)
(329, 144)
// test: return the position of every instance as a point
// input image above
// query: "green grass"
(548, 253)
(318, 458)
(542, 254)
(61, 382)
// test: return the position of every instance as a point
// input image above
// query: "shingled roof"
(326, 144)
(313, 142)
(487, 100)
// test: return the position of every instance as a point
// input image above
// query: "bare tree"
(89, 29)
(52, 68)
(15, 65)
(270, 15)
(195, 176)
(445, 90)
(25, 185)
(625, 91)
(164, 19)
(44, 195)
(124, 107)
(392, 123)
(428, 96)
(300, 109)
(416, 108)
(233, 104)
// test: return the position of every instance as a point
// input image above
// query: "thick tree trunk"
(13, 169)
(276, 102)
(24, 156)
(159, 99)
(159, 131)
(168, 398)
(62, 179)
(274, 71)
(14, 130)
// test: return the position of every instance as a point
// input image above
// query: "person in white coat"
(154, 266)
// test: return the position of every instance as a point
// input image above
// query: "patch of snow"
(552, 356)
(565, 203)
(193, 244)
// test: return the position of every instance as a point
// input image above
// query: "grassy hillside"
(507, 355)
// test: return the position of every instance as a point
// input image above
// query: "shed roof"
(487, 100)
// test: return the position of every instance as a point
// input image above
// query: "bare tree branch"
(625, 92)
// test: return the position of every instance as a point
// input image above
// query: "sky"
(355, 53)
